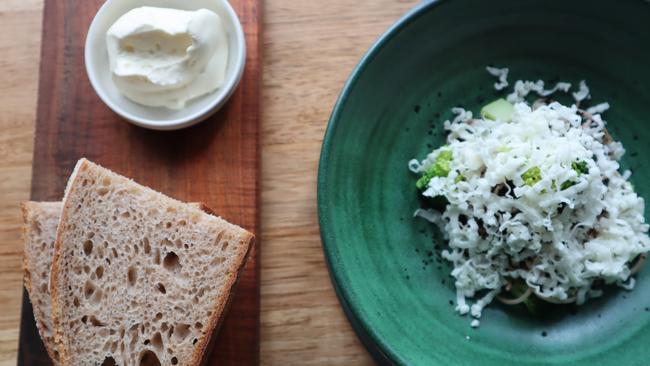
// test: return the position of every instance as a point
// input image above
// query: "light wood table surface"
(309, 49)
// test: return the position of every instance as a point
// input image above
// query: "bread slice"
(40, 220)
(138, 278)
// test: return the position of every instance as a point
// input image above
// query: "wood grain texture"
(20, 34)
(215, 162)
(309, 49)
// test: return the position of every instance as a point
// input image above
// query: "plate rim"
(379, 350)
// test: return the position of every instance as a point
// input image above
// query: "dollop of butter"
(163, 57)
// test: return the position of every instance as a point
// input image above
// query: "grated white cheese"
(561, 234)
(582, 93)
(501, 74)
(523, 88)
(598, 108)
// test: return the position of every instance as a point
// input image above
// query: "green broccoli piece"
(532, 176)
(567, 184)
(423, 181)
(440, 168)
(580, 167)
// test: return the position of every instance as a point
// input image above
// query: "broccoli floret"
(580, 167)
(443, 161)
(440, 168)
(567, 184)
(532, 176)
(423, 181)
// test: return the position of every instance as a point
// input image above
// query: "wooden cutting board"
(216, 162)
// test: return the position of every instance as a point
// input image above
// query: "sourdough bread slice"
(40, 220)
(138, 278)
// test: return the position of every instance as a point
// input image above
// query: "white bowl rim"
(220, 97)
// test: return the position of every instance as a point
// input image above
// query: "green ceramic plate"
(384, 264)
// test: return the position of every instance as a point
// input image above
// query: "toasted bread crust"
(218, 316)
(29, 210)
(216, 320)
(54, 278)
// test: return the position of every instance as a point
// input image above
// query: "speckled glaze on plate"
(384, 264)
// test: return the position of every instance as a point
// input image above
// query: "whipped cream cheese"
(166, 57)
